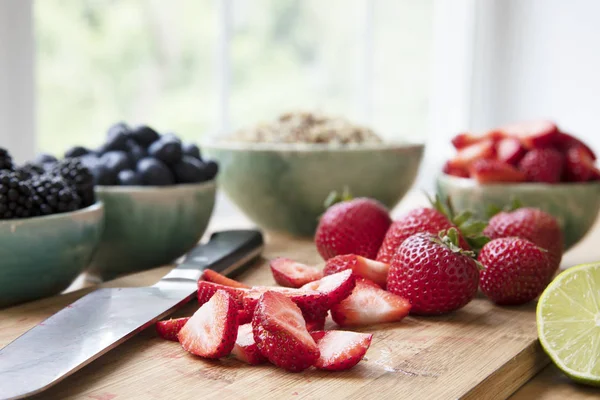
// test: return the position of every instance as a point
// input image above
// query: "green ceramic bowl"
(148, 226)
(282, 187)
(42, 256)
(575, 205)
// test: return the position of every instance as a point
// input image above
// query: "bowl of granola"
(280, 173)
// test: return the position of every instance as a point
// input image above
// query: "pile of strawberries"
(534, 151)
(376, 271)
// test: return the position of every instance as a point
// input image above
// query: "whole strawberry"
(543, 165)
(532, 224)
(419, 220)
(352, 227)
(514, 270)
(433, 273)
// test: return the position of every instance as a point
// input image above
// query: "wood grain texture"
(481, 351)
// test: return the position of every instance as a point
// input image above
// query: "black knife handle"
(225, 252)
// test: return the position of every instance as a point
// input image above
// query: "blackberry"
(79, 177)
(52, 194)
(5, 160)
(16, 197)
(28, 171)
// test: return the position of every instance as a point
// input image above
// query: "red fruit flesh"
(335, 288)
(579, 166)
(450, 169)
(206, 290)
(468, 155)
(424, 219)
(532, 224)
(311, 302)
(516, 270)
(375, 271)
(340, 350)
(316, 323)
(432, 277)
(564, 142)
(369, 304)
(352, 227)
(543, 165)
(533, 134)
(290, 273)
(510, 151)
(168, 329)
(494, 171)
(245, 348)
(212, 330)
(212, 276)
(281, 335)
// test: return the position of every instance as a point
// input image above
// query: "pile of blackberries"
(44, 187)
(141, 156)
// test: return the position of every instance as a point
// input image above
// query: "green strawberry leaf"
(335, 197)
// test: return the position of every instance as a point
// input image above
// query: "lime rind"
(568, 320)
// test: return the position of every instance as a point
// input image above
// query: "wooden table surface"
(550, 383)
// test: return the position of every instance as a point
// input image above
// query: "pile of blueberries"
(141, 156)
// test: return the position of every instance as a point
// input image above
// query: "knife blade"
(105, 318)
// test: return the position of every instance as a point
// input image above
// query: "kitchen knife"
(105, 318)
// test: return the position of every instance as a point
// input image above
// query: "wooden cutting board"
(479, 352)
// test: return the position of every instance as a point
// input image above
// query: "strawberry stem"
(335, 197)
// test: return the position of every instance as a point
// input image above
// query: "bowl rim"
(309, 147)
(97, 206)
(146, 189)
(468, 183)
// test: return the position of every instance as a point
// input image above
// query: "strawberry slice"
(466, 139)
(510, 151)
(375, 271)
(369, 304)
(169, 328)
(543, 165)
(579, 166)
(312, 302)
(245, 348)
(316, 323)
(533, 134)
(450, 169)
(340, 350)
(212, 276)
(564, 142)
(281, 335)
(468, 155)
(206, 290)
(212, 330)
(290, 273)
(492, 171)
(335, 287)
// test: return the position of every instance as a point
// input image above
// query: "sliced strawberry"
(579, 166)
(468, 155)
(450, 169)
(492, 171)
(311, 302)
(316, 323)
(510, 151)
(245, 348)
(206, 290)
(212, 330)
(544, 165)
(290, 273)
(564, 142)
(466, 139)
(375, 271)
(533, 134)
(340, 350)
(369, 304)
(335, 287)
(215, 277)
(281, 335)
(169, 328)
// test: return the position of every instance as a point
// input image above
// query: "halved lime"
(568, 321)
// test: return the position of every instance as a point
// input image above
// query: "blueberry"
(115, 161)
(44, 158)
(189, 170)
(116, 139)
(76, 151)
(166, 150)
(128, 177)
(154, 172)
(171, 136)
(103, 175)
(117, 129)
(144, 135)
(89, 160)
(212, 168)
(190, 149)
(135, 151)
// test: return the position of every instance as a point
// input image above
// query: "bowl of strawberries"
(535, 164)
